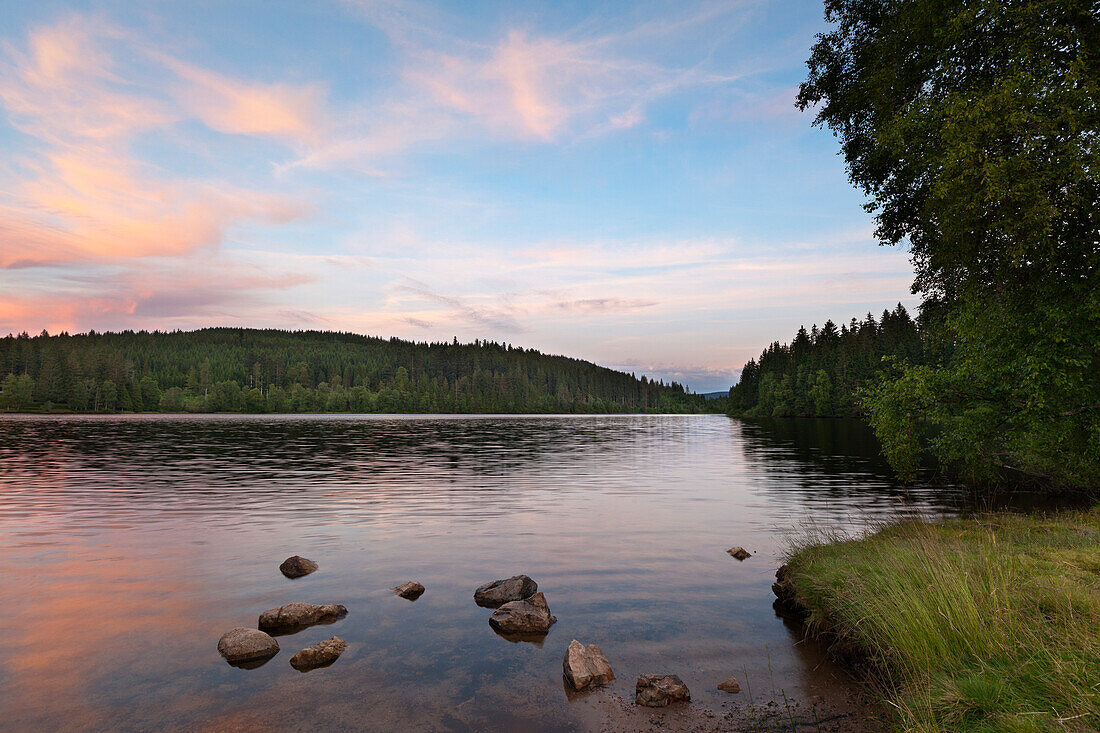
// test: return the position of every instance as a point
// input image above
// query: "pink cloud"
(64, 88)
(525, 67)
(292, 112)
(536, 86)
(56, 54)
(35, 314)
(79, 193)
(153, 294)
(526, 86)
(84, 205)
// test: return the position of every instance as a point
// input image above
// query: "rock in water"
(586, 666)
(660, 690)
(296, 616)
(296, 567)
(782, 585)
(529, 616)
(240, 646)
(731, 686)
(319, 655)
(786, 600)
(499, 592)
(411, 590)
(739, 552)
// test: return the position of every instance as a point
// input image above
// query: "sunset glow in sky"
(628, 183)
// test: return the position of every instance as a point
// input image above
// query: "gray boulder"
(297, 566)
(411, 590)
(660, 690)
(530, 616)
(586, 666)
(296, 616)
(499, 592)
(243, 646)
(321, 654)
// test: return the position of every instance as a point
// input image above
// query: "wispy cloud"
(519, 85)
(153, 293)
(63, 85)
(540, 87)
(291, 112)
(605, 305)
(79, 192)
(498, 318)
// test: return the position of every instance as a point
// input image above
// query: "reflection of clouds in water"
(71, 616)
(138, 541)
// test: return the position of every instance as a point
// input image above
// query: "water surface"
(130, 544)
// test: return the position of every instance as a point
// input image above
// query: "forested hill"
(247, 370)
(820, 373)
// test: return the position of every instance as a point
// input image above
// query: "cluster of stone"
(521, 612)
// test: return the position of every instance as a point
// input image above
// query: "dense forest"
(973, 128)
(246, 370)
(821, 372)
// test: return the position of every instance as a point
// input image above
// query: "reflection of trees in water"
(323, 463)
(833, 465)
(809, 438)
(831, 460)
(315, 444)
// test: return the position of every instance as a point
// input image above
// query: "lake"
(131, 543)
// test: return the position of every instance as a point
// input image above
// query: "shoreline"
(66, 413)
(984, 623)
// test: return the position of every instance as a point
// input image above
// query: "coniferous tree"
(234, 370)
(821, 372)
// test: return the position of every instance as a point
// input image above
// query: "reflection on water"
(131, 544)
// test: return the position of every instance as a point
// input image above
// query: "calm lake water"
(130, 544)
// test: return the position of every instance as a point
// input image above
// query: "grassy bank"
(989, 624)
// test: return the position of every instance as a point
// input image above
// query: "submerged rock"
(660, 690)
(586, 666)
(296, 616)
(411, 590)
(297, 566)
(499, 592)
(739, 553)
(321, 654)
(731, 686)
(528, 616)
(242, 646)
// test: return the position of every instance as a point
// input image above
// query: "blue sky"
(628, 183)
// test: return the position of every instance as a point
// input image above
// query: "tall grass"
(988, 624)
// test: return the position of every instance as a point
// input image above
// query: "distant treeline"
(247, 370)
(820, 373)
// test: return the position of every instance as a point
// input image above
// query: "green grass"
(987, 624)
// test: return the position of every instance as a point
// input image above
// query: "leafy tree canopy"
(972, 128)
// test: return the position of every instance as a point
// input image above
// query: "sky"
(628, 183)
